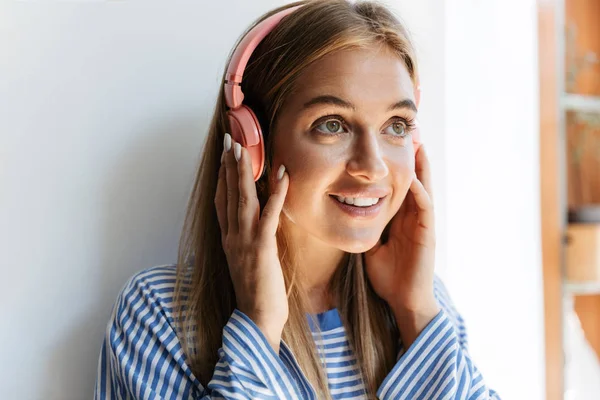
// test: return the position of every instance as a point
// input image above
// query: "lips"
(358, 201)
(359, 212)
(361, 193)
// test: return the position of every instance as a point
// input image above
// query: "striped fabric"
(340, 363)
(141, 357)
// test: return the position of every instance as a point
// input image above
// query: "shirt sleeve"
(437, 365)
(249, 368)
(141, 356)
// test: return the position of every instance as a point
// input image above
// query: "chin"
(357, 245)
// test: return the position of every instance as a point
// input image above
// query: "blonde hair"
(204, 297)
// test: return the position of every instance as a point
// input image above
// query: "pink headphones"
(243, 123)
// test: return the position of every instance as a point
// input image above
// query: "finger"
(221, 201)
(424, 203)
(269, 219)
(409, 204)
(232, 186)
(423, 170)
(249, 207)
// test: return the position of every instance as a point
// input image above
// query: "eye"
(330, 126)
(398, 128)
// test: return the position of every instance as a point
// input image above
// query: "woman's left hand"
(401, 270)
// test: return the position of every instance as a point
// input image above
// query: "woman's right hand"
(249, 241)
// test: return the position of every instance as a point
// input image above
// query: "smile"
(359, 207)
(358, 201)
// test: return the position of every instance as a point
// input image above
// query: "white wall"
(492, 176)
(103, 111)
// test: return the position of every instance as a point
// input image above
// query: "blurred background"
(104, 107)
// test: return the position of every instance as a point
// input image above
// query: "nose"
(366, 161)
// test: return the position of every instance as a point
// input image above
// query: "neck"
(318, 269)
(318, 262)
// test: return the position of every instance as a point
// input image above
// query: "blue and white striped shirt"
(141, 357)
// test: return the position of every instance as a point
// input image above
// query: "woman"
(317, 280)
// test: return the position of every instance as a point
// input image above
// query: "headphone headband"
(242, 53)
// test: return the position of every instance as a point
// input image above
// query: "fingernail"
(237, 151)
(227, 142)
(280, 172)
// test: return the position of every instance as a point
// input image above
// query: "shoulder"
(148, 291)
(445, 302)
(157, 277)
(141, 353)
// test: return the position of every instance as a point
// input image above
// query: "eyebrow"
(329, 100)
(406, 103)
(336, 101)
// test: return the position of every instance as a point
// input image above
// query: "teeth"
(358, 201)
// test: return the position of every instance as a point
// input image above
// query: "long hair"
(204, 297)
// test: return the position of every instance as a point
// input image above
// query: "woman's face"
(344, 137)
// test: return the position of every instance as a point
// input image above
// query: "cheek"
(402, 170)
(307, 165)
(311, 171)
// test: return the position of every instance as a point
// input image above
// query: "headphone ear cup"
(245, 130)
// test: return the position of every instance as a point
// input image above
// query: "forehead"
(361, 76)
